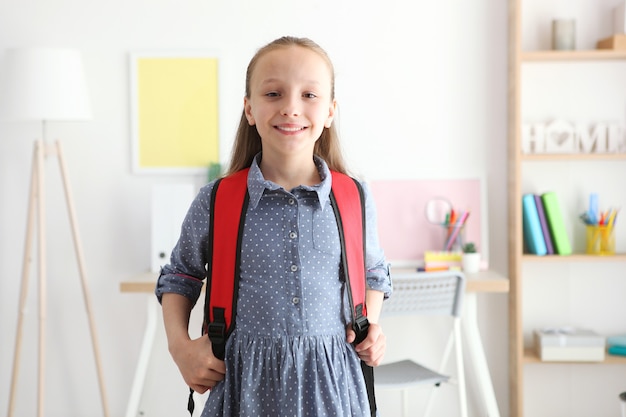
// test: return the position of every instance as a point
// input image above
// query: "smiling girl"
(291, 351)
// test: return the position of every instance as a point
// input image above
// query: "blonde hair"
(247, 140)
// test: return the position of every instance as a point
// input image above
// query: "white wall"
(422, 94)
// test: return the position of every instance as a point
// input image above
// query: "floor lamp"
(45, 85)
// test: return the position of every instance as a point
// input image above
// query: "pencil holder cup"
(454, 238)
(600, 240)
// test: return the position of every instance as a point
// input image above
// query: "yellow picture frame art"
(174, 106)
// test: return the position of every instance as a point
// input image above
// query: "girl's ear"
(247, 108)
(331, 114)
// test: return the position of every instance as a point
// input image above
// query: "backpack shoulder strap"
(229, 201)
(348, 203)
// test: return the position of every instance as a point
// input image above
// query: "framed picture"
(174, 105)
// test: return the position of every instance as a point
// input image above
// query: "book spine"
(555, 221)
(545, 230)
(532, 227)
(617, 350)
(616, 341)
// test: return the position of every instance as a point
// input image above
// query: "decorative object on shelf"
(470, 260)
(564, 34)
(622, 400)
(569, 344)
(45, 84)
(562, 137)
(616, 42)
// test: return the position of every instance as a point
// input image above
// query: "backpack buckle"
(217, 332)
(360, 326)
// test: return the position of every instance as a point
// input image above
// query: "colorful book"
(532, 226)
(545, 230)
(617, 350)
(617, 340)
(554, 216)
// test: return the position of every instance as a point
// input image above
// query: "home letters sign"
(559, 136)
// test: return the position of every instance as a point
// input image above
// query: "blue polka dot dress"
(288, 354)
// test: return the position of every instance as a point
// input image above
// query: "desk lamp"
(45, 85)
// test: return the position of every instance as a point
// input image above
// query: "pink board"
(404, 231)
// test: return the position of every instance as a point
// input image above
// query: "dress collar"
(257, 184)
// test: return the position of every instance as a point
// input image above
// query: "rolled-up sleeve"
(187, 267)
(378, 277)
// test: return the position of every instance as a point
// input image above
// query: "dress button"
(294, 268)
(295, 300)
(293, 235)
(292, 201)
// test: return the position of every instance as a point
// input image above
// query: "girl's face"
(290, 100)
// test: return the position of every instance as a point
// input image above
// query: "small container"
(600, 240)
(564, 34)
(622, 399)
(569, 344)
(454, 238)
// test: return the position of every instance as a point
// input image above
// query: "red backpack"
(229, 203)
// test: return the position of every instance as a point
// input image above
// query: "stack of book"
(543, 225)
(617, 345)
(441, 261)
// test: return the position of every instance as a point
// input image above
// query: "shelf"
(590, 55)
(577, 257)
(531, 357)
(553, 157)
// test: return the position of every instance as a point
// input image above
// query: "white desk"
(486, 281)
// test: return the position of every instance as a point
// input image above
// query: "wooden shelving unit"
(519, 60)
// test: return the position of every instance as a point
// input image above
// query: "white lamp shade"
(43, 84)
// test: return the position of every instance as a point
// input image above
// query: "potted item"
(470, 260)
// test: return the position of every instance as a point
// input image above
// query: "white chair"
(426, 293)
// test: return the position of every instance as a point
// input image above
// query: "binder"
(556, 224)
(617, 350)
(545, 230)
(532, 226)
(617, 340)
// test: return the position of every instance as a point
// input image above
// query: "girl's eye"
(309, 95)
(272, 94)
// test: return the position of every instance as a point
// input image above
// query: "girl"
(290, 353)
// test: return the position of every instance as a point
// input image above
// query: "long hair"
(248, 141)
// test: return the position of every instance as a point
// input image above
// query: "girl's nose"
(291, 106)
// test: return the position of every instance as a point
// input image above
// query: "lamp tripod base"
(36, 214)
